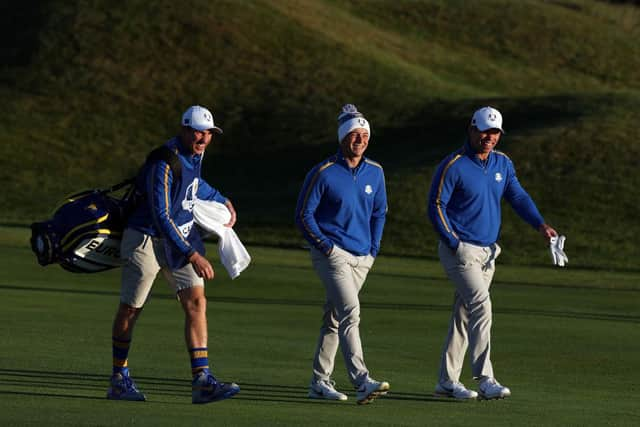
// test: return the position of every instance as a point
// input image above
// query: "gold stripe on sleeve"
(306, 199)
(439, 194)
(167, 190)
(374, 163)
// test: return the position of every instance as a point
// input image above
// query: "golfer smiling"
(464, 208)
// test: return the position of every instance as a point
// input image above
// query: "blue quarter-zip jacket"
(342, 206)
(464, 200)
(168, 211)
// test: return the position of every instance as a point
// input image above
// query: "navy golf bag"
(84, 234)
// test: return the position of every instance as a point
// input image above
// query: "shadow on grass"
(61, 384)
(613, 317)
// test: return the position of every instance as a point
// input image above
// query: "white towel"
(212, 216)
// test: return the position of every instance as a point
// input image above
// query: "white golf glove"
(556, 246)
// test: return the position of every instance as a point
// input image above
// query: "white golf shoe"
(456, 390)
(370, 390)
(492, 389)
(324, 389)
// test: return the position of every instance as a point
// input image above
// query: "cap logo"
(207, 117)
(362, 122)
(492, 117)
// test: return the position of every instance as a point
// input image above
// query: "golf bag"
(85, 232)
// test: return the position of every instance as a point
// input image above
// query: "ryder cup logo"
(190, 196)
(185, 229)
(368, 189)
(498, 177)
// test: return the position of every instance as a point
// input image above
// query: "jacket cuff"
(326, 247)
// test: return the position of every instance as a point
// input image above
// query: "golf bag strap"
(163, 153)
(167, 155)
(133, 196)
(120, 185)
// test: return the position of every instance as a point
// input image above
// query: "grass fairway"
(565, 341)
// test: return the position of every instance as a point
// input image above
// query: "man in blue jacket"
(341, 212)
(464, 208)
(160, 236)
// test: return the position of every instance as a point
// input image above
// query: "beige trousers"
(471, 269)
(343, 276)
(144, 258)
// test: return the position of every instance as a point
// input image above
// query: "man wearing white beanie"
(341, 212)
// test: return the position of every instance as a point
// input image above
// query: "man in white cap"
(160, 236)
(464, 208)
(341, 212)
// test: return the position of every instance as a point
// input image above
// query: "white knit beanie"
(350, 119)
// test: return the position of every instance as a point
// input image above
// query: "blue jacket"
(342, 206)
(168, 211)
(465, 196)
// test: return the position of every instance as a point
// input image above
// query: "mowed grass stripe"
(365, 305)
(552, 345)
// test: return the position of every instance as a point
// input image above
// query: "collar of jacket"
(471, 153)
(341, 160)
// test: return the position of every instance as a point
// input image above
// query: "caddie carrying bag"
(85, 232)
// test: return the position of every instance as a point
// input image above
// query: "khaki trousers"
(343, 275)
(471, 269)
(144, 256)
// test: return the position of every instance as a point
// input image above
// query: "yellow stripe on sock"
(120, 363)
(199, 354)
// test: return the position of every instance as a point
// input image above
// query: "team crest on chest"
(368, 189)
(190, 196)
(498, 177)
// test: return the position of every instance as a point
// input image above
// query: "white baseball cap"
(487, 118)
(199, 118)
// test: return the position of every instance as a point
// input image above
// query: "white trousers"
(471, 269)
(343, 275)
